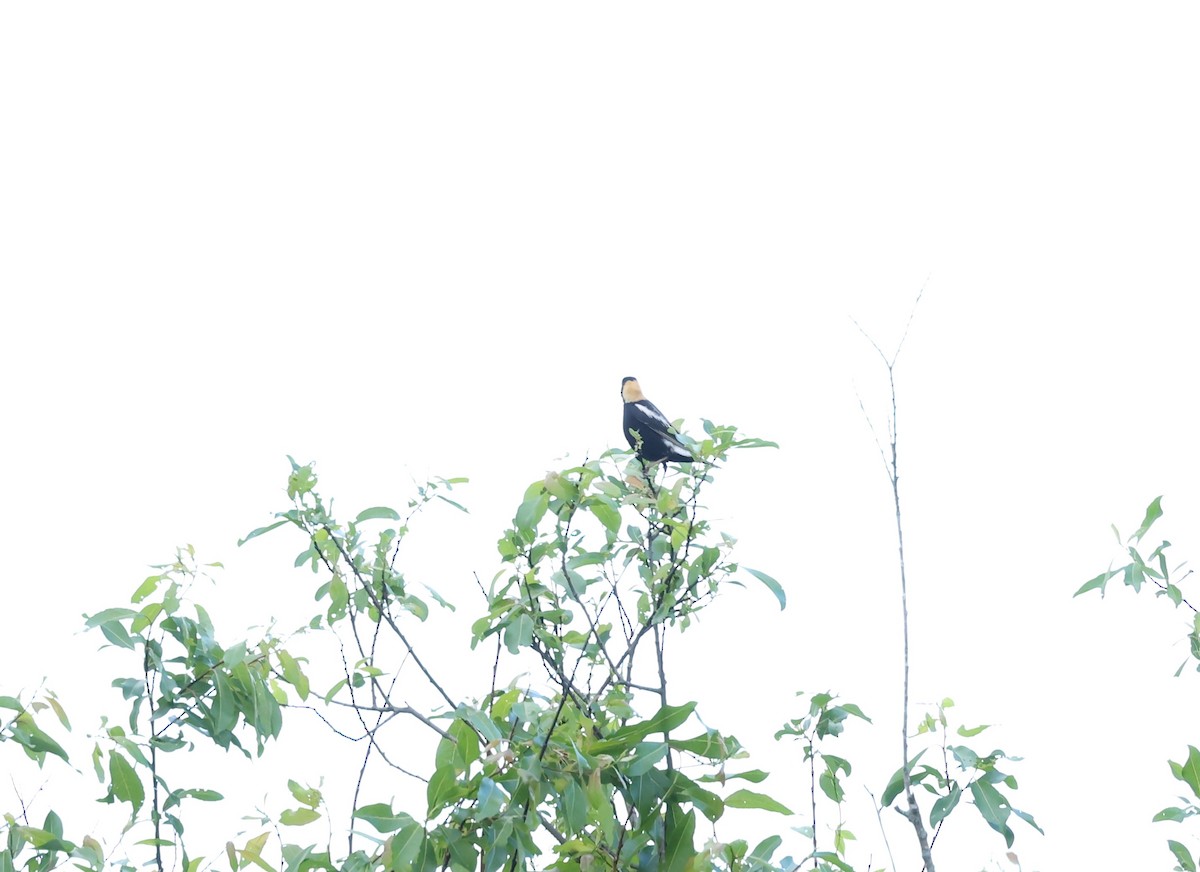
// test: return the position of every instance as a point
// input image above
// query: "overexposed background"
(406, 240)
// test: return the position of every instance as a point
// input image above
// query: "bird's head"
(631, 392)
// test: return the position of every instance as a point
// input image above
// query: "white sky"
(408, 240)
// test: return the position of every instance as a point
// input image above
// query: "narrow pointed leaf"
(254, 534)
(750, 799)
(1182, 855)
(1153, 513)
(377, 512)
(772, 585)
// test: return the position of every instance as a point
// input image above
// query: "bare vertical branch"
(913, 812)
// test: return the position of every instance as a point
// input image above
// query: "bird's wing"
(651, 413)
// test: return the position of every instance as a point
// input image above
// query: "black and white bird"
(649, 432)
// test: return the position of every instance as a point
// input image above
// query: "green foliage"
(1153, 569)
(826, 719)
(1140, 570)
(22, 726)
(585, 769)
(974, 773)
(581, 760)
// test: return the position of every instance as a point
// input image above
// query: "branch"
(913, 812)
(393, 710)
(367, 735)
(386, 615)
(882, 830)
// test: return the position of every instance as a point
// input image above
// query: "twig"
(882, 830)
(386, 615)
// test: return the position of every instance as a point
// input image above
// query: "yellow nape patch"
(631, 392)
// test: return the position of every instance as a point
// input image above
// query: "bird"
(649, 432)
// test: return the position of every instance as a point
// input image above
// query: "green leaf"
(831, 787)
(309, 796)
(680, 848)
(461, 508)
(26, 732)
(332, 692)
(126, 786)
(1189, 771)
(763, 850)
(415, 606)
(44, 840)
(665, 719)
(254, 534)
(1153, 513)
(750, 799)
(1028, 818)
(377, 512)
(706, 802)
(177, 796)
(491, 799)
(973, 731)
(302, 480)
(855, 710)
(484, 725)
(530, 513)
(381, 817)
(406, 844)
(466, 745)
(446, 604)
(224, 705)
(754, 776)
(1171, 813)
(1096, 583)
(966, 757)
(253, 852)
(519, 633)
(834, 860)
(1182, 855)
(645, 755)
(771, 584)
(575, 807)
(944, 805)
(754, 443)
(298, 817)
(59, 712)
(108, 615)
(606, 513)
(146, 588)
(993, 807)
(293, 674)
(711, 745)
(896, 784)
(587, 558)
(443, 788)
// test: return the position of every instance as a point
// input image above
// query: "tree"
(571, 754)
(581, 769)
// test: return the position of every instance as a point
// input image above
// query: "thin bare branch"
(913, 812)
(908, 323)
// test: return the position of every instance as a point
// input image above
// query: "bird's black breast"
(634, 421)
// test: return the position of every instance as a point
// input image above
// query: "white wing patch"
(653, 414)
